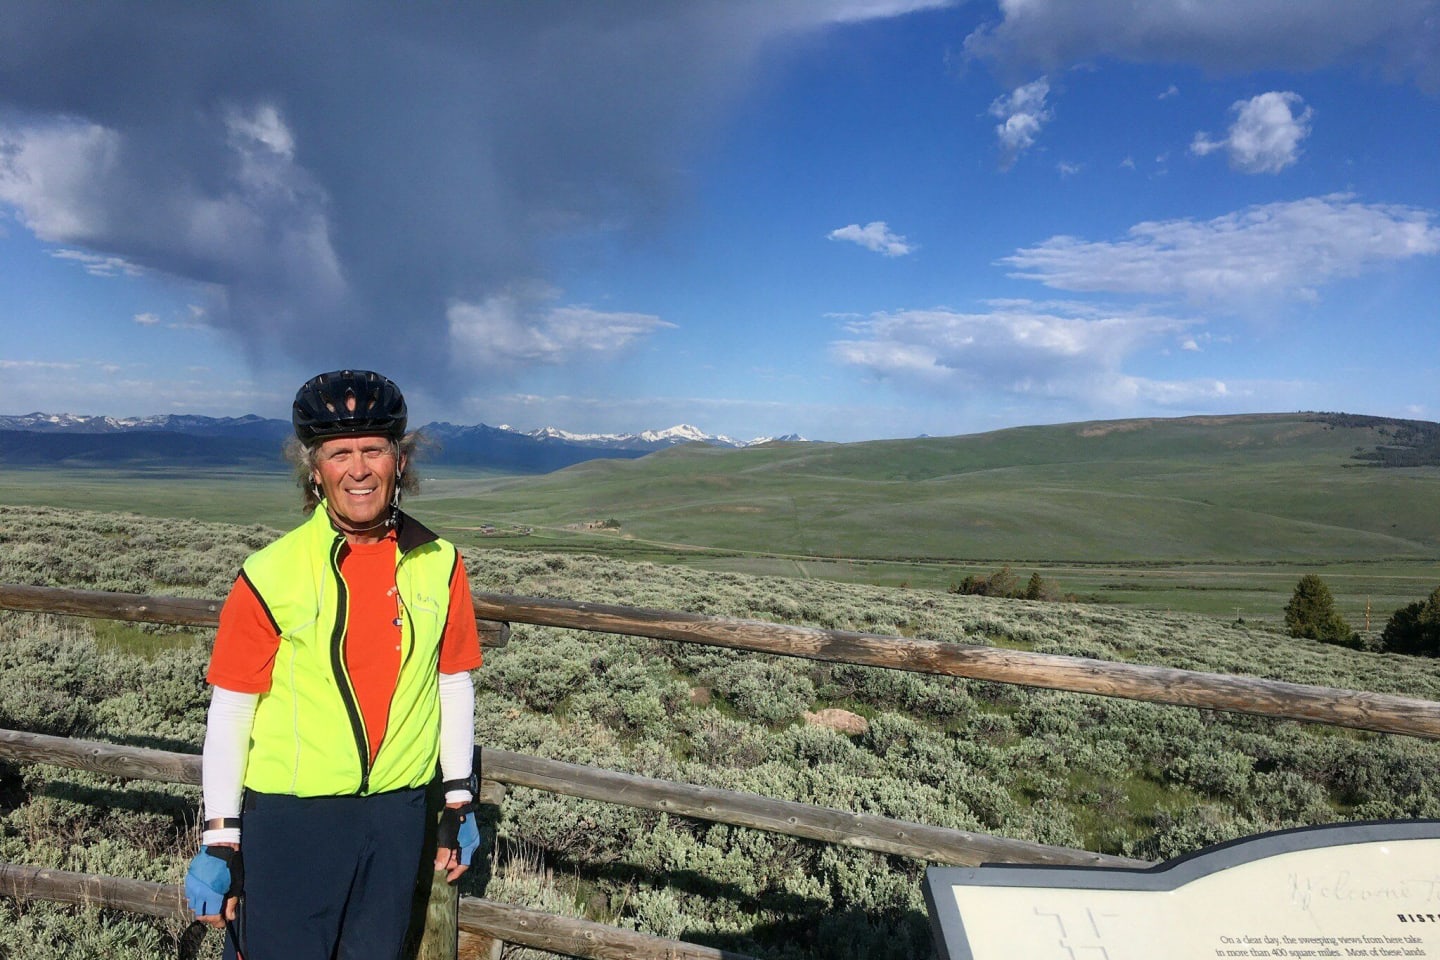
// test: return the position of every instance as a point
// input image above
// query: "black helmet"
(346, 403)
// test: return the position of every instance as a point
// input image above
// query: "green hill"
(1251, 488)
(1212, 514)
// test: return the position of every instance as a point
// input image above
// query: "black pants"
(329, 878)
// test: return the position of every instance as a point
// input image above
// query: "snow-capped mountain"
(249, 424)
(654, 439)
(176, 439)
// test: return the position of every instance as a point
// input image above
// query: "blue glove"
(458, 831)
(214, 874)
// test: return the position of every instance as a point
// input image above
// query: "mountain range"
(180, 439)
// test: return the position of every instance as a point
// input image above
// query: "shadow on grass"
(798, 928)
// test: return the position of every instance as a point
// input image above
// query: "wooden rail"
(181, 611)
(1385, 713)
(1190, 688)
(860, 830)
(503, 921)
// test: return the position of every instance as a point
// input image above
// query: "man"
(340, 678)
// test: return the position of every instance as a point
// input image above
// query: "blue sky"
(850, 219)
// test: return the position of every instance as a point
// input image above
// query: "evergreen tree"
(1004, 583)
(1311, 613)
(1414, 628)
(1035, 589)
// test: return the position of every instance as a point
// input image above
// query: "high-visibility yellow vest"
(309, 737)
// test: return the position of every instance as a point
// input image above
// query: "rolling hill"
(1268, 487)
(1219, 515)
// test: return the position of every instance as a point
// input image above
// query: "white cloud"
(54, 176)
(258, 221)
(852, 11)
(1019, 348)
(875, 236)
(1022, 113)
(1266, 134)
(1278, 249)
(147, 319)
(1168, 92)
(38, 365)
(91, 386)
(1042, 362)
(264, 126)
(1397, 37)
(517, 329)
(97, 265)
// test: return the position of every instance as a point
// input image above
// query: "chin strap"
(389, 521)
(394, 517)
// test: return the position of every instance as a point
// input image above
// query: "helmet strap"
(346, 528)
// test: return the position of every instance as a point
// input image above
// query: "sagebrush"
(1117, 776)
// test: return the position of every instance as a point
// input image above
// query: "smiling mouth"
(360, 491)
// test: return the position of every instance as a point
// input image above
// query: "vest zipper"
(337, 664)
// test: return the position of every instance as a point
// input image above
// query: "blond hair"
(302, 459)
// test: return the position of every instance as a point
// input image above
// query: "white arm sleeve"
(227, 741)
(457, 730)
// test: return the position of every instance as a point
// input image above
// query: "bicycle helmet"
(346, 403)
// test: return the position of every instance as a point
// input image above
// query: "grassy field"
(1212, 515)
(1117, 776)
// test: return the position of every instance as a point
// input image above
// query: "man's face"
(357, 475)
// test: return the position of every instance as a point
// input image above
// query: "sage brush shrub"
(1139, 779)
(769, 692)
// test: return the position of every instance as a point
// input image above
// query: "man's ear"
(400, 465)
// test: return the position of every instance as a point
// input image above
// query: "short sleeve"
(460, 645)
(245, 643)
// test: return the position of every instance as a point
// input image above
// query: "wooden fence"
(1370, 711)
(1380, 712)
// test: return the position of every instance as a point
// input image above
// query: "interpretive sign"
(1345, 890)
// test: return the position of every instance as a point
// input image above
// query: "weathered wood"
(441, 938)
(1385, 713)
(491, 792)
(181, 611)
(89, 889)
(577, 938)
(479, 946)
(135, 763)
(502, 921)
(1190, 688)
(863, 831)
(185, 611)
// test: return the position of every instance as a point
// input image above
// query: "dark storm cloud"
(349, 178)
(1400, 38)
